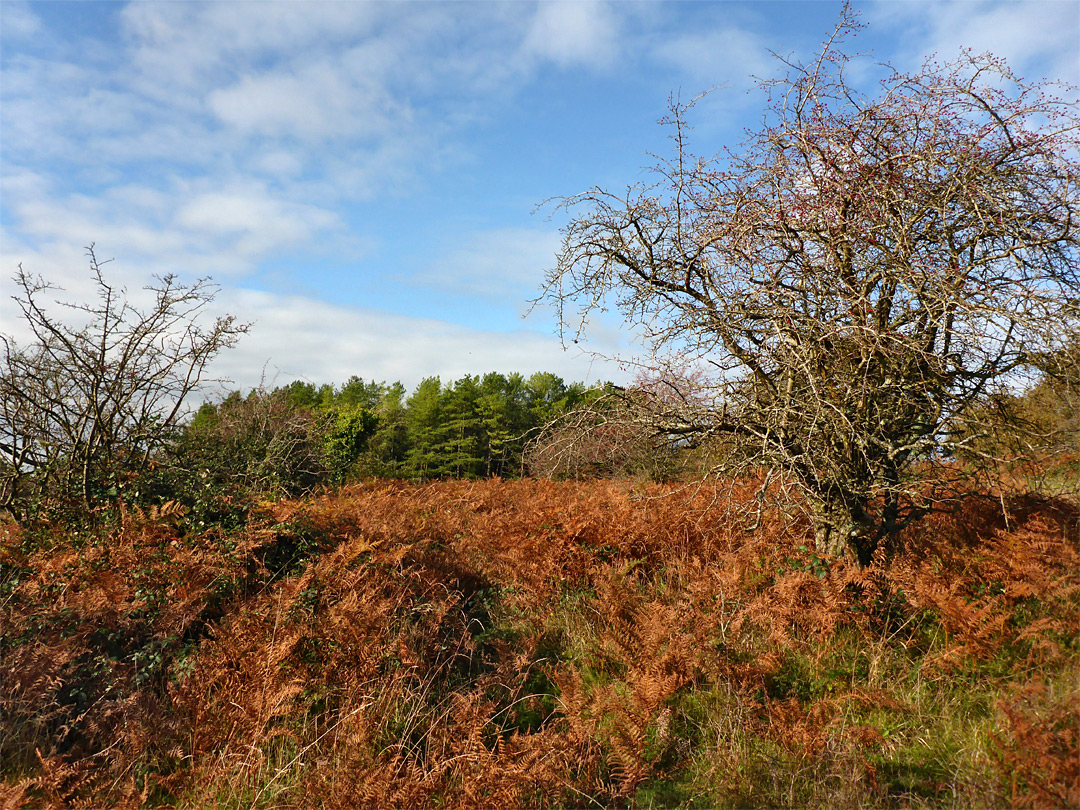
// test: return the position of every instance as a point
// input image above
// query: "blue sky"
(362, 178)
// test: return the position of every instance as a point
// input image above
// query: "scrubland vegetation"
(824, 552)
(538, 643)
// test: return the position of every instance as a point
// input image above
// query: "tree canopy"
(847, 290)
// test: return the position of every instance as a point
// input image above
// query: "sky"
(370, 183)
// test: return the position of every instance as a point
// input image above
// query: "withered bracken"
(533, 643)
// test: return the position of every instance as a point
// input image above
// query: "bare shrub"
(85, 408)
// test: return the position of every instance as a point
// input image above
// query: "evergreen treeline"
(296, 436)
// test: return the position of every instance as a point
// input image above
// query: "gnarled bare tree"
(79, 403)
(861, 277)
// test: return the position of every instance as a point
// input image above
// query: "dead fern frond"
(1041, 746)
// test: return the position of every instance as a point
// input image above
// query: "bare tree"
(860, 278)
(605, 436)
(81, 404)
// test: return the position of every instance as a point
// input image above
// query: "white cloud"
(80, 219)
(92, 123)
(192, 227)
(574, 33)
(220, 89)
(214, 88)
(298, 338)
(187, 44)
(268, 222)
(278, 163)
(320, 100)
(18, 21)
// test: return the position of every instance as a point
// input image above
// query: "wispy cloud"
(176, 46)
(316, 101)
(502, 265)
(253, 220)
(191, 227)
(19, 21)
(1037, 37)
(731, 54)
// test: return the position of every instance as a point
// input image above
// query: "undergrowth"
(540, 644)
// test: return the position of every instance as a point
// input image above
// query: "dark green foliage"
(259, 443)
(424, 419)
(389, 445)
(475, 427)
(460, 431)
(364, 394)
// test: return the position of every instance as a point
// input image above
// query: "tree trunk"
(844, 529)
